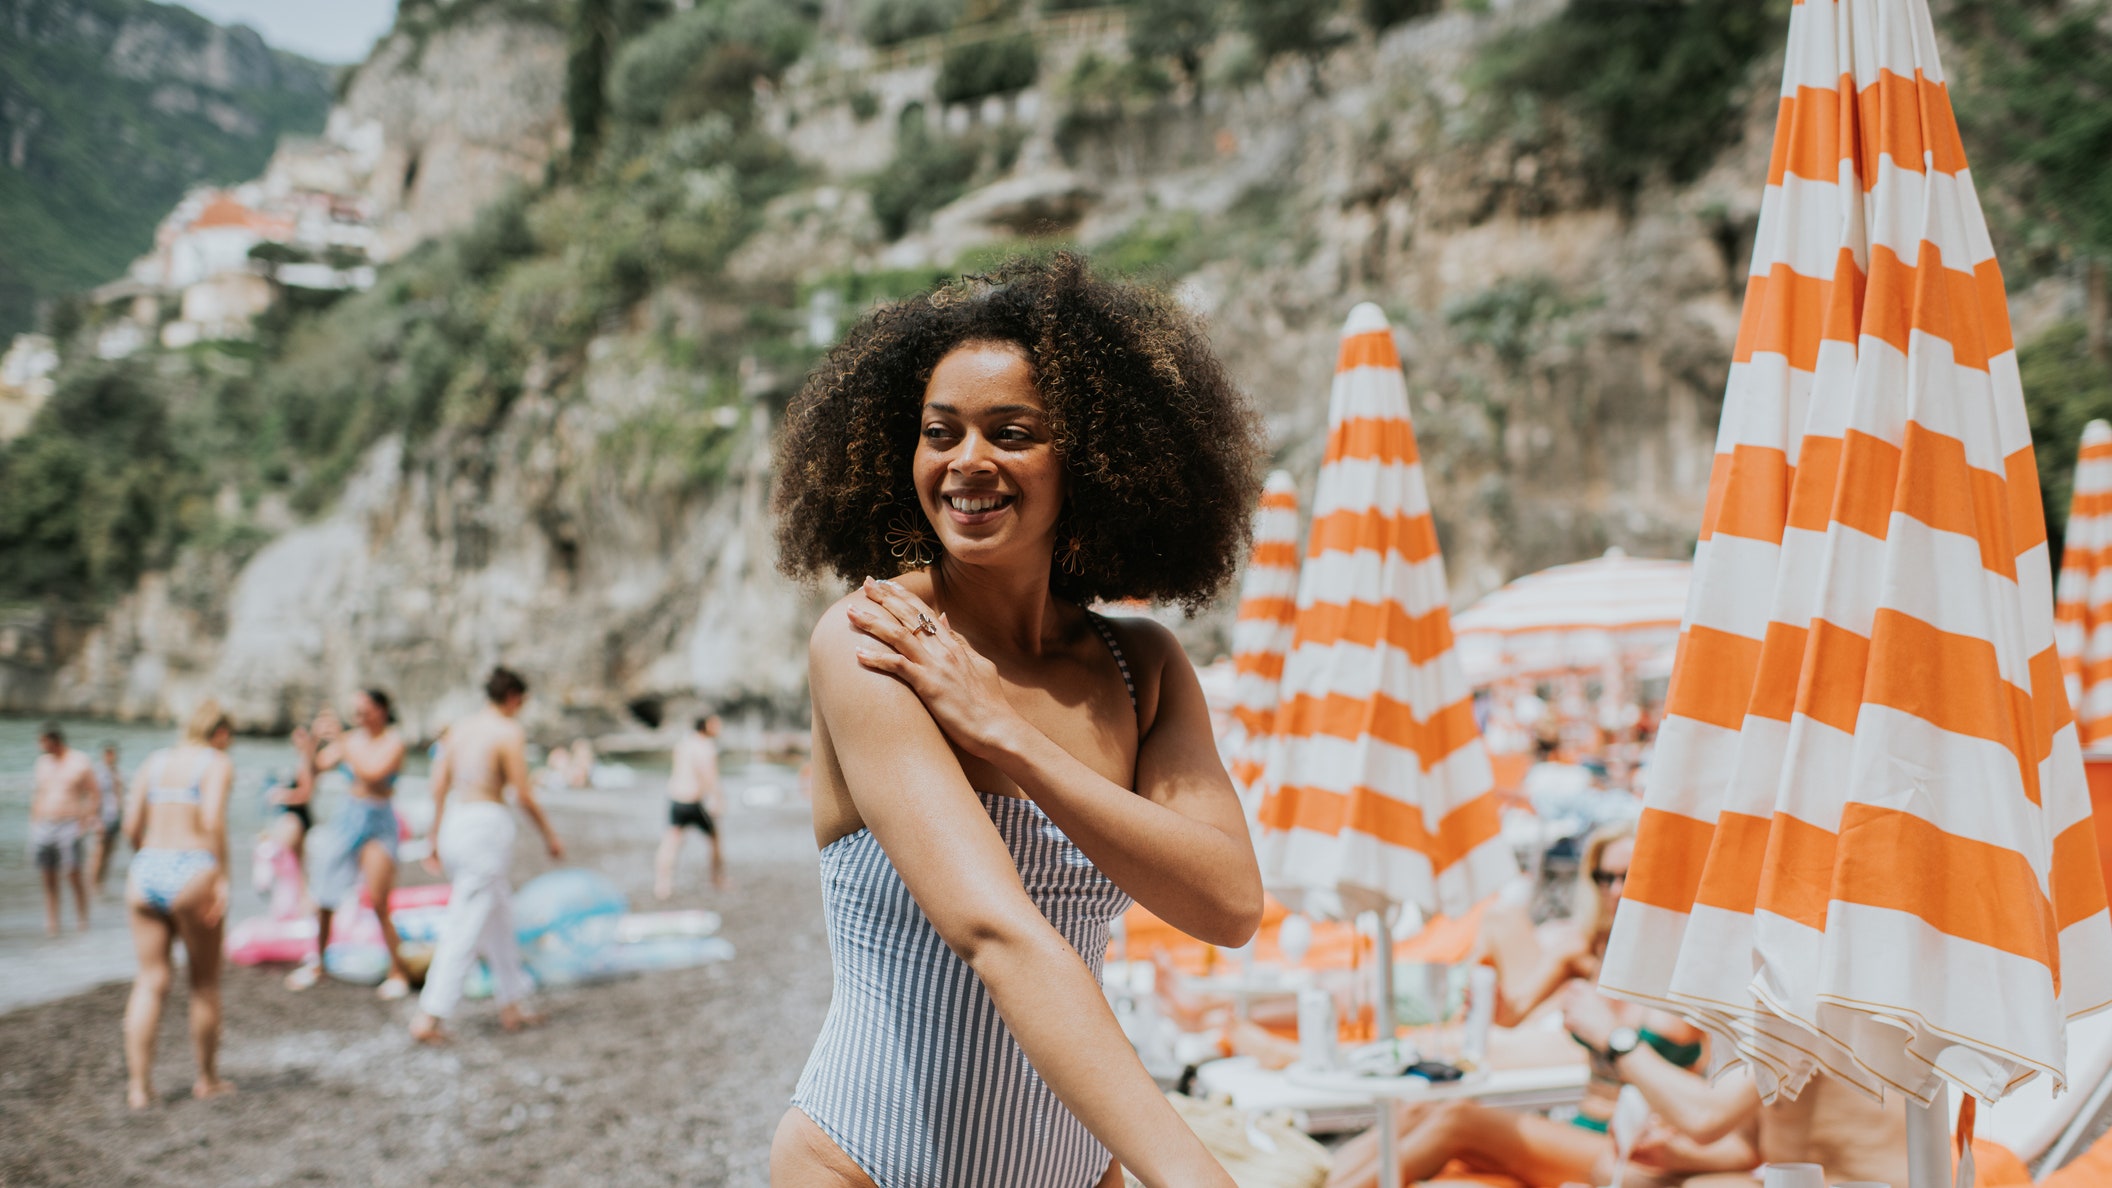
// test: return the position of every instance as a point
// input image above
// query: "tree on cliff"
(594, 31)
(1293, 27)
(1179, 29)
(2038, 87)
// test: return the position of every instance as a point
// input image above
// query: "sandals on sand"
(393, 989)
(306, 976)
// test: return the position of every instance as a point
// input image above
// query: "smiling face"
(987, 472)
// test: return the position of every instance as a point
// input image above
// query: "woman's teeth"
(970, 506)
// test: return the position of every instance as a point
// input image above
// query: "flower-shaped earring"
(1071, 554)
(910, 539)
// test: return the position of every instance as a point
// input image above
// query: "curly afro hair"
(1162, 452)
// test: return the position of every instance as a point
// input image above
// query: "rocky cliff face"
(456, 117)
(1566, 360)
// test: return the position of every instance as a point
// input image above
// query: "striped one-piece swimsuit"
(915, 1076)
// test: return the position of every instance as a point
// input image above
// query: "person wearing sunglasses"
(1534, 967)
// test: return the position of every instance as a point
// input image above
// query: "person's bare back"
(486, 751)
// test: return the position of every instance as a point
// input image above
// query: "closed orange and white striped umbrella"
(1378, 789)
(2082, 612)
(1866, 846)
(1268, 599)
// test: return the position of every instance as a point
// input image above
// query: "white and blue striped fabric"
(915, 1076)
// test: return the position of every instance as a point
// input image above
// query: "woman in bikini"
(362, 844)
(176, 820)
(1531, 1148)
(998, 771)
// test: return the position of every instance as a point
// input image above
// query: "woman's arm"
(1178, 844)
(135, 813)
(218, 784)
(1702, 1111)
(910, 792)
(377, 765)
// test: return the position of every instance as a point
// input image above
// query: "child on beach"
(110, 788)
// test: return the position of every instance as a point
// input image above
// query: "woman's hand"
(956, 683)
(1587, 1016)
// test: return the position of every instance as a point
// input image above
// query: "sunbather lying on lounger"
(1531, 1148)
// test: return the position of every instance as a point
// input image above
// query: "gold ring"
(924, 625)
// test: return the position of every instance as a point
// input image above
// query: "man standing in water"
(362, 846)
(486, 753)
(694, 799)
(64, 807)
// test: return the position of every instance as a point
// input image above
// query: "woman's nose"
(974, 456)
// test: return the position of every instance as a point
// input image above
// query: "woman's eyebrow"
(1000, 410)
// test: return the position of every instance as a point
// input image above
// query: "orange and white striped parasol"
(1378, 789)
(2082, 611)
(1268, 600)
(1866, 846)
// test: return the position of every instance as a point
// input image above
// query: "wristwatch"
(1621, 1042)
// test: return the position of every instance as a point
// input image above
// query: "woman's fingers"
(907, 608)
(891, 663)
(880, 625)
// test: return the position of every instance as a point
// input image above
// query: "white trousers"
(476, 847)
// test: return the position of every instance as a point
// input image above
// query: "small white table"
(1331, 1103)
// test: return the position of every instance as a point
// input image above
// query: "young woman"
(998, 771)
(362, 845)
(176, 820)
(1528, 1147)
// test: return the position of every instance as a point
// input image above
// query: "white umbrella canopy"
(1866, 847)
(1612, 610)
(1378, 790)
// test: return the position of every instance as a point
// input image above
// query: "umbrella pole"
(1929, 1141)
(1382, 1030)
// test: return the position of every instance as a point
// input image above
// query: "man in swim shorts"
(64, 808)
(694, 800)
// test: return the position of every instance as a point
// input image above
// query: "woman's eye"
(1013, 433)
(933, 432)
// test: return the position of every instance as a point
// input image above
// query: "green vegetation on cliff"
(109, 111)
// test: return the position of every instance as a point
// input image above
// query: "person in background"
(362, 847)
(473, 845)
(110, 785)
(696, 799)
(63, 809)
(579, 764)
(1533, 970)
(293, 802)
(176, 820)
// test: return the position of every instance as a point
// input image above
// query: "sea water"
(36, 969)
